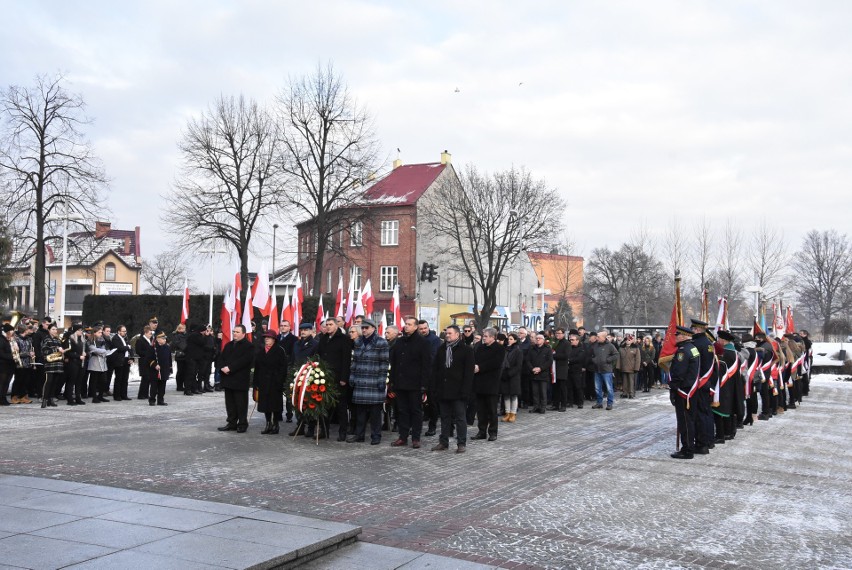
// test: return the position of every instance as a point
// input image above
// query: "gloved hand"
(672, 396)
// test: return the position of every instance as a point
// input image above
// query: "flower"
(322, 381)
(319, 398)
(321, 374)
(322, 388)
(312, 405)
(316, 381)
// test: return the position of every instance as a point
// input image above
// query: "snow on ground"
(828, 353)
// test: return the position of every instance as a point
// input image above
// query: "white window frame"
(328, 281)
(390, 232)
(356, 234)
(356, 275)
(389, 277)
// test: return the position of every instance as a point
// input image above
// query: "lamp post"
(65, 217)
(212, 251)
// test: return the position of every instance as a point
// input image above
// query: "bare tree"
(569, 280)
(229, 179)
(674, 247)
(6, 292)
(165, 275)
(700, 256)
(48, 166)
(727, 276)
(328, 151)
(765, 259)
(824, 275)
(623, 286)
(490, 220)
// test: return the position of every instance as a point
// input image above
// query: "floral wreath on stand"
(314, 392)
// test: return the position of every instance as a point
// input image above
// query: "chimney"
(397, 163)
(446, 158)
(126, 245)
(101, 229)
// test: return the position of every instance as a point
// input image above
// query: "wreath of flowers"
(313, 391)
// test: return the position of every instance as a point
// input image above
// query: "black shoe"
(681, 455)
(354, 439)
(71, 403)
(162, 404)
(763, 417)
(242, 429)
(152, 402)
(227, 427)
(719, 440)
(141, 397)
(791, 406)
(267, 429)
(197, 392)
(104, 400)
(563, 409)
(289, 420)
(702, 451)
(341, 437)
(187, 393)
(492, 437)
(597, 407)
(430, 433)
(579, 407)
(80, 402)
(275, 428)
(609, 407)
(375, 441)
(480, 435)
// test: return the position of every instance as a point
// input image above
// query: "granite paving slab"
(18, 519)
(38, 552)
(164, 517)
(110, 534)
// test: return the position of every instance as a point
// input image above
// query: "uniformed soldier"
(724, 402)
(751, 378)
(701, 399)
(684, 373)
(766, 354)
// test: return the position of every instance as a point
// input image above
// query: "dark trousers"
(576, 380)
(119, 389)
(50, 378)
(374, 412)
(470, 410)
(409, 405)
(202, 376)
(526, 390)
(539, 394)
(143, 382)
(685, 424)
(453, 413)
(73, 382)
(107, 379)
(5, 378)
(432, 410)
(157, 389)
(486, 413)
(180, 375)
(190, 380)
(37, 382)
(560, 393)
(22, 380)
(341, 412)
(704, 425)
(589, 385)
(236, 406)
(96, 383)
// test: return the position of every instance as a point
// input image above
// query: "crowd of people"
(411, 377)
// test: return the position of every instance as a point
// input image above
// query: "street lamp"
(212, 251)
(65, 217)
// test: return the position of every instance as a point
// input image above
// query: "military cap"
(726, 335)
(683, 330)
(306, 325)
(698, 323)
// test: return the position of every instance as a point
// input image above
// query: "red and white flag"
(779, 323)
(791, 327)
(350, 302)
(248, 313)
(260, 291)
(296, 303)
(225, 316)
(383, 324)
(722, 315)
(184, 310)
(236, 289)
(367, 299)
(338, 301)
(273, 312)
(396, 311)
(287, 312)
(320, 315)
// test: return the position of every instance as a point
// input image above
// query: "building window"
(389, 277)
(390, 232)
(328, 281)
(356, 234)
(355, 277)
(109, 272)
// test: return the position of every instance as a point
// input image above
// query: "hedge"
(133, 311)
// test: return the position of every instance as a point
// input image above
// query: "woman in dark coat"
(510, 382)
(270, 366)
(52, 370)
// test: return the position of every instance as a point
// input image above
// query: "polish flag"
(396, 311)
(791, 327)
(320, 314)
(260, 291)
(248, 313)
(367, 299)
(273, 312)
(296, 302)
(350, 302)
(184, 310)
(287, 311)
(236, 315)
(382, 324)
(338, 302)
(225, 316)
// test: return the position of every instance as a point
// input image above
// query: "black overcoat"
(238, 356)
(270, 371)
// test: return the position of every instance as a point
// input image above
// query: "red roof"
(404, 185)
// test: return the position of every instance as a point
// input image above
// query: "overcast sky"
(637, 112)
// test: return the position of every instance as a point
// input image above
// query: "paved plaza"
(581, 489)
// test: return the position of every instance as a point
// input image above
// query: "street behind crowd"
(586, 488)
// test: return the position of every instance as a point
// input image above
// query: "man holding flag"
(684, 373)
(699, 396)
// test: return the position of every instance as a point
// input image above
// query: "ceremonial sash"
(750, 376)
(700, 381)
(731, 371)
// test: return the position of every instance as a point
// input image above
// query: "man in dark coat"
(452, 382)
(335, 349)
(576, 371)
(235, 364)
(538, 363)
(143, 343)
(430, 409)
(488, 366)
(194, 360)
(303, 349)
(561, 389)
(410, 358)
(704, 425)
(684, 370)
(524, 344)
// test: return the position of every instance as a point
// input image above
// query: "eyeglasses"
(467, 330)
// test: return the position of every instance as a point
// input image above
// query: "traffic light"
(549, 321)
(424, 270)
(433, 272)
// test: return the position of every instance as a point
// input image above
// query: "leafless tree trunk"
(166, 274)
(490, 220)
(5, 261)
(674, 247)
(824, 275)
(569, 281)
(328, 152)
(765, 259)
(229, 179)
(45, 162)
(728, 274)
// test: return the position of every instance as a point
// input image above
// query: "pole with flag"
(248, 313)
(791, 327)
(225, 316)
(260, 291)
(296, 302)
(338, 301)
(705, 305)
(367, 299)
(383, 324)
(350, 302)
(721, 315)
(287, 312)
(396, 311)
(184, 309)
(319, 317)
(669, 348)
(273, 311)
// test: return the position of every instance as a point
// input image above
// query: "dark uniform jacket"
(303, 350)
(539, 357)
(162, 356)
(336, 351)
(489, 358)
(708, 355)
(684, 368)
(410, 358)
(455, 382)
(238, 356)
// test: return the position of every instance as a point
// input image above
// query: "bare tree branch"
(166, 274)
(824, 275)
